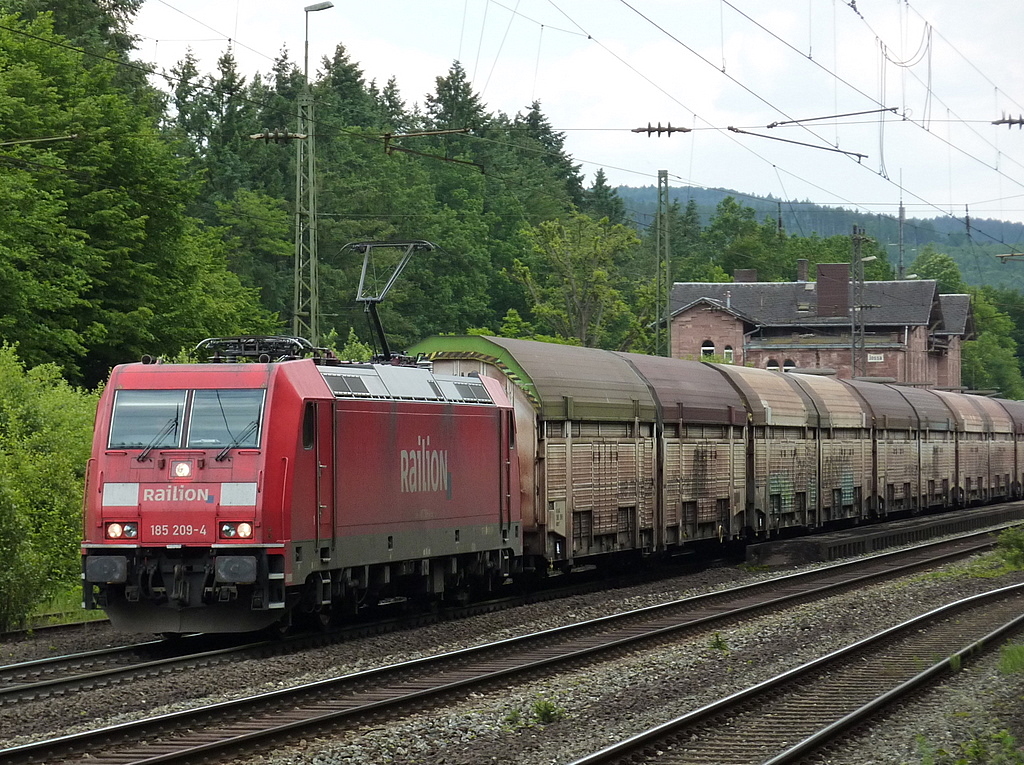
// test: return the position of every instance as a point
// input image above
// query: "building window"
(707, 348)
(727, 354)
(773, 365)
(788, 365)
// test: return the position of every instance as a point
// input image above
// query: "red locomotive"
(226, 497)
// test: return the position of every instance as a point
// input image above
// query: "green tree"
(1010, 302)
(354, 348)
(537, 128)
(931, 264)
(342, 95)
(190, 121)
(734, 240)
(98, 26)
(258, 233)
(690, 259)
(393, 114)
(110, 206)
(572, 280)
(232, 121)
(990, 360)
(834, 249)
(602, 201)
(45, 435)
(454, 104)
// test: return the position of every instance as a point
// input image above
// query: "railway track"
(230, 728)
(61, 675)
(811, 706)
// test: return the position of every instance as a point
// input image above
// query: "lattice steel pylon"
(663, 283)
(306, 296)
(858, 348)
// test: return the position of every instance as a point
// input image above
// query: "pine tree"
(602, 201)
(536, 126)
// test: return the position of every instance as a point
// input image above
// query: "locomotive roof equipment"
(364, 293)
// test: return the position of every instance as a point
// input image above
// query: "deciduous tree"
(572, 281)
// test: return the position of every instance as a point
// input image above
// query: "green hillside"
(974, 250)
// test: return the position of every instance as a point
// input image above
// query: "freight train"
(275, 484)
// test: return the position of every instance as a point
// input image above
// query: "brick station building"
(903, 330)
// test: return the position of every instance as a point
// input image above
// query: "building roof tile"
(886, 303)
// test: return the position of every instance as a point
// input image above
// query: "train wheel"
(312, 612)
(317, 619)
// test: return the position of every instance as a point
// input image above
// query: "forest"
(139, 215)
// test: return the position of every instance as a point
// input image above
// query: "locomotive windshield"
(193, 419)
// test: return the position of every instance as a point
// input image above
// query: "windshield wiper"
(167, 429)
(251, 428)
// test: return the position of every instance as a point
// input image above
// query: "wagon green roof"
(563, 381)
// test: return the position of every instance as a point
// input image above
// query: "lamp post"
(306, 297)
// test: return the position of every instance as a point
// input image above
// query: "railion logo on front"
(424, 469)
(178, 494)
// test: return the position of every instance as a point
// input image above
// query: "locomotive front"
(173, 516)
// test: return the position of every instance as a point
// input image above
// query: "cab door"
(325, 462)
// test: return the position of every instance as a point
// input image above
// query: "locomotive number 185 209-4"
(177, 530)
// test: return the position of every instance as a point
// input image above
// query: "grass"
(1011, 659)
(988, 566)
(64, 608)
(1007, 557)
(543, 712)
(718, 643)
(989, 748)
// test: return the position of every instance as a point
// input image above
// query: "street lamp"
(306, 302)
(311, 9)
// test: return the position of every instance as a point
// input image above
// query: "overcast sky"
(602, 67)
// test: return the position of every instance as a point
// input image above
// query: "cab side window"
(309, 426)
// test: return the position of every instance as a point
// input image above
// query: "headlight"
(122, 530)
(240, 569)
(110, 569)
(235, 530)
(181, 468)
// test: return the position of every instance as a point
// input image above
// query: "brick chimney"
(833, 289)
(801, 269)
(744, 275)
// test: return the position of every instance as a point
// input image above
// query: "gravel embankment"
(598, 705)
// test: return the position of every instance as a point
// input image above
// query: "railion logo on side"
(425, 469)
(178, 494)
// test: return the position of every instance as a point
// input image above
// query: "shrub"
(1011, 546)
(45, 436)
(718, 643)
(547, 711)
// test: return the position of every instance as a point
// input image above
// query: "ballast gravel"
(560, 718)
